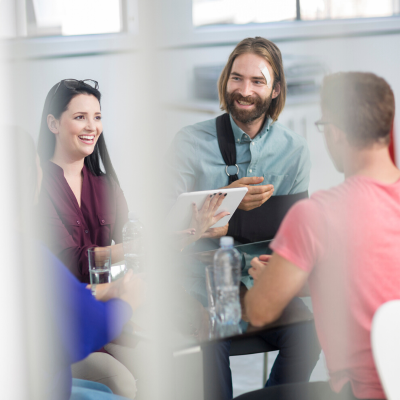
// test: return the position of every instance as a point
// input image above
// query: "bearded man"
(270, 159)
(248, 147)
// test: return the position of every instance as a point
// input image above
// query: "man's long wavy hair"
(270, 52)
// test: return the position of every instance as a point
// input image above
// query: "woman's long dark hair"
(57, 101)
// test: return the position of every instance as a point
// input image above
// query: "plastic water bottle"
(227, 273)
(133, 237)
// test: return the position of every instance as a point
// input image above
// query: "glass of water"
(99, 265)
(211, 297)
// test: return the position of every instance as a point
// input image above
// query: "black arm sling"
(263, 222)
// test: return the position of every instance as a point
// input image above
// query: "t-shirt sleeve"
(300, 236)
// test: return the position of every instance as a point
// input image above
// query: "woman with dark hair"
(69, 323)
(81, 201)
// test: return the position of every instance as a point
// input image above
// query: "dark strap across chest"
(226, 142)
(263, 222)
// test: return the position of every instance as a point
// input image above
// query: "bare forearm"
(260, 314)
(278, 283)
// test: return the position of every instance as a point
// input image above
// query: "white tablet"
(180, 215)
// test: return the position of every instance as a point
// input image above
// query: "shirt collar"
(57, 170)
(239, 134)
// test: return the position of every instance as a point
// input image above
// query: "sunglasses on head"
(75, 84)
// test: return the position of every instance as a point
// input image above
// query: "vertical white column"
(13, 361)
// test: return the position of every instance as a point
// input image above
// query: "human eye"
(79, 117)
(235, 78)
(98, 118)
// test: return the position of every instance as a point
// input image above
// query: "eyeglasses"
(75, 83)
(321, 125)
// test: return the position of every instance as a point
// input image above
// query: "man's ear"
(277, 90)
(338, 136)
(52, 124)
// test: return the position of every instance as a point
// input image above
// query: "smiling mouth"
(244, 103)
(88, 139)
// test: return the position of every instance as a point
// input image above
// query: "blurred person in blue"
(69, 321)
(341, 245)
(248, 147)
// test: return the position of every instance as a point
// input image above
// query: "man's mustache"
(247, 99)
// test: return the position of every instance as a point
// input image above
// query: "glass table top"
(191, 271)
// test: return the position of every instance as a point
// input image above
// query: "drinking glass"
(211, 297)
(99, 266)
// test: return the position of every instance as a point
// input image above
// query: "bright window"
(216, 12)
(73, 17)
(213, 12)
(339, 9)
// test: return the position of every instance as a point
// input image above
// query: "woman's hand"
(181, 239)
(204, 218)
(107, 291)
(131, 288)
(258, 265)
(215, 233)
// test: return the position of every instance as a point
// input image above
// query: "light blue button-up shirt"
(278, 154)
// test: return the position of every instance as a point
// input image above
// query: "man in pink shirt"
(344, 242)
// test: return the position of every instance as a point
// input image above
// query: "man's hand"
(277, 283)
(258, 265)
(215, 233)
(256, 195)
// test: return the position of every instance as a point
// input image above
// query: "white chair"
(385, 341)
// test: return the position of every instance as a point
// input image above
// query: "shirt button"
(252, 143)
(238, 140)
(86, 231)
(102, 221)
(78, 222)
(250, 170)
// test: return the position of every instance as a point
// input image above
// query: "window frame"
(56, 46)
(285, 31)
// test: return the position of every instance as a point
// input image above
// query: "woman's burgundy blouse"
(69, 230)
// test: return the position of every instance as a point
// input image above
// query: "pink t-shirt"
(348, 238)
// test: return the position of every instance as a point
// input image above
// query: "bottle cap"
(132, 216)
(226, 241)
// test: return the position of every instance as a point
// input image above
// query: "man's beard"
(261, 106)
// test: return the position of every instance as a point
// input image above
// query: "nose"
(245, 89)
(90, 126)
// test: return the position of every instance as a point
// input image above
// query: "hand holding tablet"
(184, 214)
(208, 215)
(256, 195)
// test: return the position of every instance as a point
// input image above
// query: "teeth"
(244, 103)
(86, 137)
